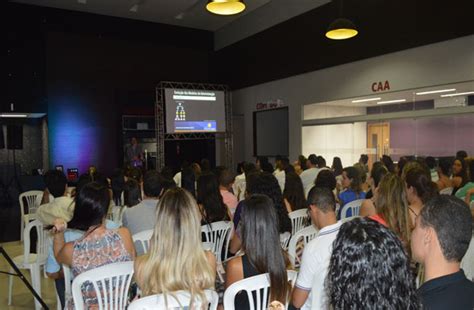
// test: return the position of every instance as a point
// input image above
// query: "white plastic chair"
(467, 262)
(117, 214)
(446, 191)
(143, 240)
(33, 201)
(31, 261)
(258, 286)
(111, 283)
(219, 234)
(354, 206)
(285, 240)
(306, 234)
(67, 286)
(174, 300)
(299, 220)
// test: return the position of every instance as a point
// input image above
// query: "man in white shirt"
(309, 290)
(142, 216)
(309, 175)
(281, 164)
(62, 206)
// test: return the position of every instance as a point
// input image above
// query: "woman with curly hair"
(369, 269)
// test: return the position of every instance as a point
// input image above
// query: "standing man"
(133, 153)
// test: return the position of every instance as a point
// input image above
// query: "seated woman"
(444, 173)
(367, 208)
(210, 201)
(463, 191)
(460, 177)
(263, 183)
(175, 260)
(419, 189)
(293, 194)
(263, 253)
(352, 185)
(392, 208)
(369, 269)
(98, 246)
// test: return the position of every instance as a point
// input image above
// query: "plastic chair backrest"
(111, 283)
(299, 219)
(219, 234)
(42, 242)
(285, 240)
(256, 286)
(354, 206)
(143, 240)
(306, 234)
(446, 191)
(67, 281)
(175, 300)
(467, 262)
(33, 201)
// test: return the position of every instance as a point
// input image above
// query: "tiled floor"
(22, 298)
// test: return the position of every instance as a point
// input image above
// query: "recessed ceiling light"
(458, 94)
(82, 1)
(435, 91)
(366, 100)
(392, 101)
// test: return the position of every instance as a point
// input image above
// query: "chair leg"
(10, 287)
(36, 283)
(22, 227)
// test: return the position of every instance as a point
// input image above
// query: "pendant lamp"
(225, 7)
(341, 28)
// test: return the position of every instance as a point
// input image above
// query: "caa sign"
(380, 86)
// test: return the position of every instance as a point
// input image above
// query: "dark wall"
(95, 68)
(299, 45)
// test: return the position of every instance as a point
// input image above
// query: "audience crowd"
(387, 235)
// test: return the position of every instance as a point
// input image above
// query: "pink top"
(379, 219)
(230, 200)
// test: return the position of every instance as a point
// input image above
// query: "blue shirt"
(69, 235)
(346, 197)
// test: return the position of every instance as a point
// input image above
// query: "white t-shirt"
(314, 267)
(177, 179)
(239, 186)
(281, 178)
(307, 177)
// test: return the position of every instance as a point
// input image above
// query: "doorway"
(378, 141)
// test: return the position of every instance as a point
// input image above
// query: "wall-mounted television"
(271, 132)
(191, 110)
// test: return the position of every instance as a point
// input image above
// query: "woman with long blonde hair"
(392, 207)
(176, 261)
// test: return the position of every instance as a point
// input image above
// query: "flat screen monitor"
(190, 110)
(270, 132)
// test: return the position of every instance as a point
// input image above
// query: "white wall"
(436, 64)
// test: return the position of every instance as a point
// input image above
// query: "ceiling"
(187, 13)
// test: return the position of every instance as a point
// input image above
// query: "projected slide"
(194, 111)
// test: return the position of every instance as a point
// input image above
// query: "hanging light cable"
(341, 28)
(225, 7)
